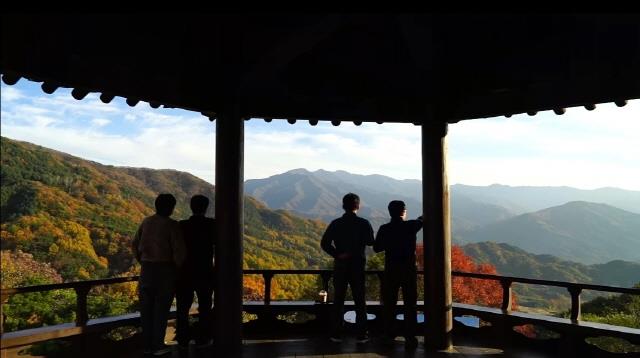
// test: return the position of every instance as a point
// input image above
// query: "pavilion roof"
(382, 68)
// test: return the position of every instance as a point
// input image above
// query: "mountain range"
(576, 230)
(524, 199)
(580, 231)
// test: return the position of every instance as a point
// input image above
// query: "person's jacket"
(398, 241)
(159, 240)
(199, 233)
(349, 234)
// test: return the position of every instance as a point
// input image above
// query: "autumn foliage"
(253, 288)
(471, 290)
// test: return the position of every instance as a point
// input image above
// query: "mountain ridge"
(580, 231)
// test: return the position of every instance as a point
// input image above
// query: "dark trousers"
(395, 277)
(349, 272)
(203, 288)
(156, 288)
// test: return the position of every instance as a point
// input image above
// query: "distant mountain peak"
(496, 185)
(297, 171)
(585, 205)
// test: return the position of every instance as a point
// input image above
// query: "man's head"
(397, 209)
(199, 204)
(165, 203)
(351, 202)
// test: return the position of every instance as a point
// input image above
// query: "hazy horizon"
(340, 170)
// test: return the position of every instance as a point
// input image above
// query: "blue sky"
(583, 149)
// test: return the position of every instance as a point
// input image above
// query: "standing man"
(159, 248)
(345, 240)
(398, 241)
(196, 275)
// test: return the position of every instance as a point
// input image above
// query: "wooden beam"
(437, 237)
(230, 228)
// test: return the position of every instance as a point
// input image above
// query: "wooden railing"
(82, 288)
(575, 289)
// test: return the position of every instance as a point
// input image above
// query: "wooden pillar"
(230, 227)
(437, 237)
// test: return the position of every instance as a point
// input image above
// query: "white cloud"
(545, 172)
(10, 94)
(42, 121)
(100, 122)
(586, 149)
(65, 103)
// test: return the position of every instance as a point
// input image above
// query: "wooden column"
(230, 227)
(437, 237)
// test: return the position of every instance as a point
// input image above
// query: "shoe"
(411, 342)
(388, 340)
(363, 338)
(183, 346)
(165, 349)
(335, 338)
(204, 344)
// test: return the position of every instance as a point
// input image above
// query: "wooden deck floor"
(315, 347)
(304, 347)
(321, 347)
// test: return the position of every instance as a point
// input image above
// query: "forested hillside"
(79, 216)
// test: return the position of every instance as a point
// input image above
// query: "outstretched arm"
(369, 234)
(417, 224)
(379, 245)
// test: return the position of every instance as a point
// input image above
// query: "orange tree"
(470, 290)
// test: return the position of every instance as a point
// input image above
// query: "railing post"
(267, 276)
(82, 316)
(3, 299)
(506, 295)
(575, 302)
(326, 276)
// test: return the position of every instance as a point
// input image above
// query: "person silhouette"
(197, 273)
(345, 240)
(398, 241)
(159, 248)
